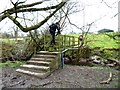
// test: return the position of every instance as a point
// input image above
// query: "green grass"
(9, 41)
(100, 40)
(12, 64)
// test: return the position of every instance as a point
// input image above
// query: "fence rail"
(62, 42)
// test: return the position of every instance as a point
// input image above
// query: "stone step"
(43, 68)
(42, 59)
(39, 75)
(44, 56)
(33, 70)
(40, 63)
(48, 53)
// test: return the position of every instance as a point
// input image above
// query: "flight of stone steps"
(41, 64)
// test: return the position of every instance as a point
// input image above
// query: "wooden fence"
(62, 42)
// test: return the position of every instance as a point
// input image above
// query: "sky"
(102, 13)
(99, 12)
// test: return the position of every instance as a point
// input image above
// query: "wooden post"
(64, 41)
(73, 41)
(69, 41)
(59, 42)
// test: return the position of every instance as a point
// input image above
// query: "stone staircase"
(41, 64)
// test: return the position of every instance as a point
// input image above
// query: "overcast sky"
(94, 10)
(103, 13)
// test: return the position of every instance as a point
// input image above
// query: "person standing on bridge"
(52, 31)
(80, 40)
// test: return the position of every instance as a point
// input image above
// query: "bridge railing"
(62, 42)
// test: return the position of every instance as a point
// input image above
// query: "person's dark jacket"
(53, 28)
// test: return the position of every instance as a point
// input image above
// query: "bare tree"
(20, 7)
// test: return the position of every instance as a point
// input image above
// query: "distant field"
(101, 40)
(11, 40)
(93, 40)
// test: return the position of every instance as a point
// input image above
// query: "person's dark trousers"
(53, 39)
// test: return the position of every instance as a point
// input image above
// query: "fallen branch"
(107, 81)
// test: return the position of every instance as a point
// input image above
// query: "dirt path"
(69, 77)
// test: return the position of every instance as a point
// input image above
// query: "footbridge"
(62, 42)
(43, 63)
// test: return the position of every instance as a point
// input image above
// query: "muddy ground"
(69, 77)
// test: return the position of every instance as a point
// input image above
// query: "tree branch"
(12, 11)
(16, 22)
(38, 24)
(37, 9)
(46, 19)
(73, 23)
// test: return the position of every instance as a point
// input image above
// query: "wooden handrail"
(62, 42)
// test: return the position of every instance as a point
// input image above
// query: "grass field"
(12, 64)
(93, 40)
(100, 40)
